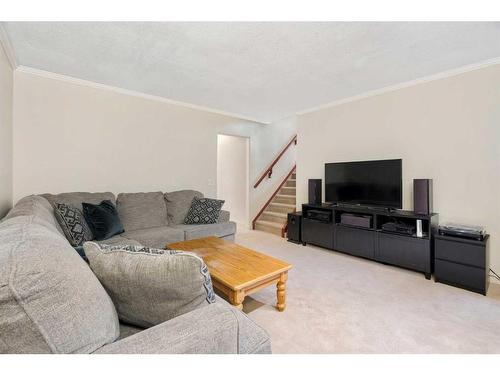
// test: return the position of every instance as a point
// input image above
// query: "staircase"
(273, 218)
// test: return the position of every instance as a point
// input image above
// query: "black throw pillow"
(102, 219)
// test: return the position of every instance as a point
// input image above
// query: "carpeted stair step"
(269, 226)
(284, 198)
(281, 207)
(286, 190)
(276, 217)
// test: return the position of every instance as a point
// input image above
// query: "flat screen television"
(367, 183)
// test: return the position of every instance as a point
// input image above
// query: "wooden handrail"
(269, 171)
(272, 196)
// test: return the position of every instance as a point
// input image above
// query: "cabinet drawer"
(404, 251)
(468, 277)
(317, 233)
(355, 241)
(459, 252)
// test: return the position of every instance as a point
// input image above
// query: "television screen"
(370, 183)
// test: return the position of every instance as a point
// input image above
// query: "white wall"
(6, 78)
(70, 137)
(232, 176)
(447, 130)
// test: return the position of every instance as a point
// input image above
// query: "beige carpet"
(342, 304)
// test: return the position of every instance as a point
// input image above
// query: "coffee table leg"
(236, 298)
(280, 293)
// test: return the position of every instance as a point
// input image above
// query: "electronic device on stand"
(294, 227)
(315, 191)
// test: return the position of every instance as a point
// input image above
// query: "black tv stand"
(398, 249)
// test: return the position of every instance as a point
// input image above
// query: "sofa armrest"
(214, 329)
(224, 216)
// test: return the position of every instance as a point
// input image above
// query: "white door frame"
(247, 174)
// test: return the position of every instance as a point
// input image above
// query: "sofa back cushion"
(142, 210)
(76, 199)
(38, 207)
(50, 301)
(179, 203)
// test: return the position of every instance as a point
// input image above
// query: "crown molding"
(7, 47)
(138, 94)
(368, 94)
(403, 85)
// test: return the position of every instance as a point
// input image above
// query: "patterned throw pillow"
(204, 211)
(149, 286)
(73, 224)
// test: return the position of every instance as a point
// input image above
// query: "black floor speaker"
(422, 196)
(294, 232)
(314, 191)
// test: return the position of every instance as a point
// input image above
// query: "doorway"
(232, 176)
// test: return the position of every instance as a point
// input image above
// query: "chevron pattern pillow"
(73, 224)
(204, 211)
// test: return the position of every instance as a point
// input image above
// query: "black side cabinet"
(462, 262)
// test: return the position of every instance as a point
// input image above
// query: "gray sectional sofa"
(51, 302)
(152, 219)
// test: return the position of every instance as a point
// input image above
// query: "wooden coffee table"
(236, 270)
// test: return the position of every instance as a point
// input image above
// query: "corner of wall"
(7, 68)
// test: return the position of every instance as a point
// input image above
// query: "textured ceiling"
(261, 71)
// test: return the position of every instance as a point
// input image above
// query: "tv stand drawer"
(468, 277)
(317, 233)
(355, 241)
(408, 252)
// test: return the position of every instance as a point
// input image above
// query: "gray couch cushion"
(205, 230)
(50, 301)
(179, 203)
(38, 207)
(127, 330)
(214, 329)
(119, 240)
(142, 210)
(149, 286)
(224, 216)
(155, 237)
(76, 199)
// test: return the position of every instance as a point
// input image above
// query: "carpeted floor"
(342, 304)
